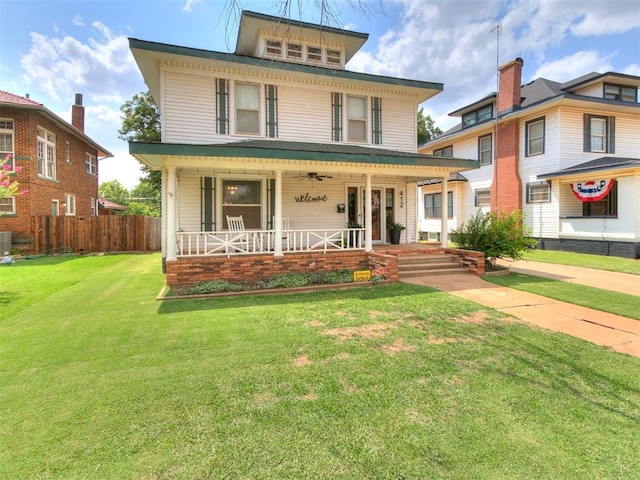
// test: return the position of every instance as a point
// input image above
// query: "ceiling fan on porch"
(313, 176)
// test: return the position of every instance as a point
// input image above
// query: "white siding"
(304, 110)
(189, 200)
(189, 113)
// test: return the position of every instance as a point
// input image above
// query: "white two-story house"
(568, 156)
(310, 157)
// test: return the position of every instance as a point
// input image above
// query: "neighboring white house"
(280, 133)
(568, 156)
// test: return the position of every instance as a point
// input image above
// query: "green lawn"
(98, 380)
(601, 262)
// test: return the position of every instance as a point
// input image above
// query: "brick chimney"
(510, 85)
(77, 113)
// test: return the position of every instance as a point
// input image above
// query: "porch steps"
(429, 264)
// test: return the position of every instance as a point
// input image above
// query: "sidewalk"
(618, 333)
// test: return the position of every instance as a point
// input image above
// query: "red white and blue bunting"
(592, 190)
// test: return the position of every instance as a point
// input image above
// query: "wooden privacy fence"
(105, 233)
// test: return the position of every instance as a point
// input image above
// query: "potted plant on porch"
(395, 230)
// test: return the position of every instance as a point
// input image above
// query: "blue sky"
(53, 49)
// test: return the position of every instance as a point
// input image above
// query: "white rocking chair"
(241, 238)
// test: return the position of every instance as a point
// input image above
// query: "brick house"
(568, 156)
(315, 160)
(59, 164)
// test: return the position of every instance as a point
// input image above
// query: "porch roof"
(601, 164)
(152, 154)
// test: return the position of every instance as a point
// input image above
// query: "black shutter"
(612, 135)
(207, 204)
(271, 97)
(587, 133)
(222, 106)
(336, 117)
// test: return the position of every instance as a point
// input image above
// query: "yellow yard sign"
(362, 275)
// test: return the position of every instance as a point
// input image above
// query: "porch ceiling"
(266, 156)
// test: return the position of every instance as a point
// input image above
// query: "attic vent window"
(274, 48)
(314, 54)
(333, 57)
(294, 50)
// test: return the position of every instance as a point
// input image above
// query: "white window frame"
(530, 139)
(294, 50)
(94, 207)
(67, 152)
(55, 207)
(334, 57)
(273, 48)
(46, 151)
(362, 120)
(444, 151)
(482, 149)
(483, 194)
(6, 129)
(257, 110)
(539, 192)
(90, 164)
(9, 202)
(602, 137)
(69, 204)
(316, 55)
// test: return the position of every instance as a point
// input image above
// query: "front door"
(381, 205)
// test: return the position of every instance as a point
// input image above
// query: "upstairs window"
(534, 132)
(6, 142)
(444, 151)
(274, 48)
(334, 57)
(67, 152)
(599, 133)
(314, 54)
(485, 150)
(623, 93)
(90, 164)
(356, 119)
(46, 150)
(294, 50)
(477, 116)
(247, 98)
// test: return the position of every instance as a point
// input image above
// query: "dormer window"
(274, 48)
(294, 50)
(621, 92)
(477, 116)
(314, 54)
(334, 57)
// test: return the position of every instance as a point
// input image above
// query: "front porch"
(381, 260)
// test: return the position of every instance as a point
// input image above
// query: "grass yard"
(601, 262)
(100, 381)
(596, 298)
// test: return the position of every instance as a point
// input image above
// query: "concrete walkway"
(618, 333)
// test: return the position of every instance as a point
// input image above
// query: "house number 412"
(401, 199)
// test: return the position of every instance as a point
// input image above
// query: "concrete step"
(424, 259)
(428, 266)
(433, 271)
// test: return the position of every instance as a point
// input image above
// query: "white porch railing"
(191, 244)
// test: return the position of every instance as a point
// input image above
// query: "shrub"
(213, 286)
(496, 235)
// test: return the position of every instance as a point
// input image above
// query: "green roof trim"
(301, 151)
(135, 43)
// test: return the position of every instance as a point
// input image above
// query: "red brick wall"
(71, 177)
(506, 190)
(252, 268)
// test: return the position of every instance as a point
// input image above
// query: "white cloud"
(633, 69)
(102, 67)
(573, 66)
(77, 21)
(122, 167)
(189, 5)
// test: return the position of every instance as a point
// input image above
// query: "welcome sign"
(593, 190)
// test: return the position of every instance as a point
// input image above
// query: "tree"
(427, 129)
(141, 123)
(496, 235)
(114, 191)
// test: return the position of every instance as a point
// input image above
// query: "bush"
(291, 280)
(497, 236)
(213, 286)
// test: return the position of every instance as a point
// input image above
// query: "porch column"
(368, 231)
(171, 213)
(444, 234)
(277, 216)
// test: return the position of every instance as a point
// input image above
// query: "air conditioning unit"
(5, 243)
